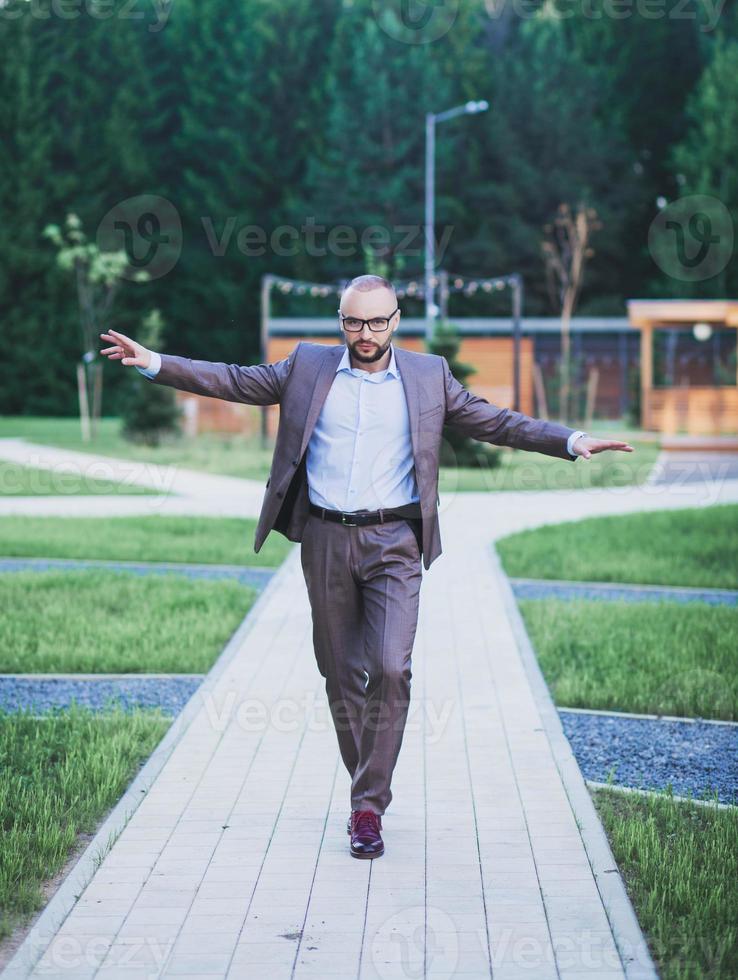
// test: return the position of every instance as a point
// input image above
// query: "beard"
(367, 357)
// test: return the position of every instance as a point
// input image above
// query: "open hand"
(586, 446)
(126, 351)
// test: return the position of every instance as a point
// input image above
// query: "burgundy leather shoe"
(364, 827)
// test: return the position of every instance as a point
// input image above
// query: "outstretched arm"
(259, 384)
(478, 419)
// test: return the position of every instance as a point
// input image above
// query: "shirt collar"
(345, 362)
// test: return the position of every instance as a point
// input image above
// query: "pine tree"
(39, 335)
(150, 412)
(705, 158)
(251, 74)
(369, 172)
(66, 150)
(456, 448)
(650, 66)
(543, 142)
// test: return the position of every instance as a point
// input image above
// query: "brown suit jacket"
(300, 383)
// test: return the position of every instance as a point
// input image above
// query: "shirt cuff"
(571, 440)
(153, 369)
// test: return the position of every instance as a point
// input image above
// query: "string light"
(414, 288)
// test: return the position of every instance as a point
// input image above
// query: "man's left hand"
(586, 446)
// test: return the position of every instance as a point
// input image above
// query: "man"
(354, 478)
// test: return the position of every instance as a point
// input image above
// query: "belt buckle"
(347, 523)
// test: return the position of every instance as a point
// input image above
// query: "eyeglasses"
(377, 323)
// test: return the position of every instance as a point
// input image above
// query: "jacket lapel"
(323, 382)
(406, 367)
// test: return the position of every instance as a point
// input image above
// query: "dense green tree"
(37, 339)
(651, 63)
(68, 150)
(252, 73)
(368, 174)
(542, 143)
(705, 160)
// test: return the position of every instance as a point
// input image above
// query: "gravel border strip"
(633, 714)
(38, 695)
(246, 574)
(98, 677)
(654, 754)
(531, 588)
(690, 464)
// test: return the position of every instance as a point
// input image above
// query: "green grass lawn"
(691, 546)
(650, 657)
(116, 622)
(59, 777)
(201, 540)
(235, 455)
(26, 481)
(680, 865)
(661, 658)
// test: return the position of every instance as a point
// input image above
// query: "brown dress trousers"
(364, 588)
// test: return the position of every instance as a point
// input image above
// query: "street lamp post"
(431, 118)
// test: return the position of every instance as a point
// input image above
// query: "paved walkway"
(187, 492)
(182, 491)
(230, 854)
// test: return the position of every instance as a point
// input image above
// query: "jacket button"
(280, 493)
(295, 462)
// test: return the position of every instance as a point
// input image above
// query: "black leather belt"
(361, 518)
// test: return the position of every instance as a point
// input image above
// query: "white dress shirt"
(359, 456)
(571, 440)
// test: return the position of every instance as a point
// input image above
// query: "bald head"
(368, 284)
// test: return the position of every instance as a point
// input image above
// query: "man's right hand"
(126, 351)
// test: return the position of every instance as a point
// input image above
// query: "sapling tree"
(98, 277)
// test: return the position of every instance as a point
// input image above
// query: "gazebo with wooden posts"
(683, 391)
